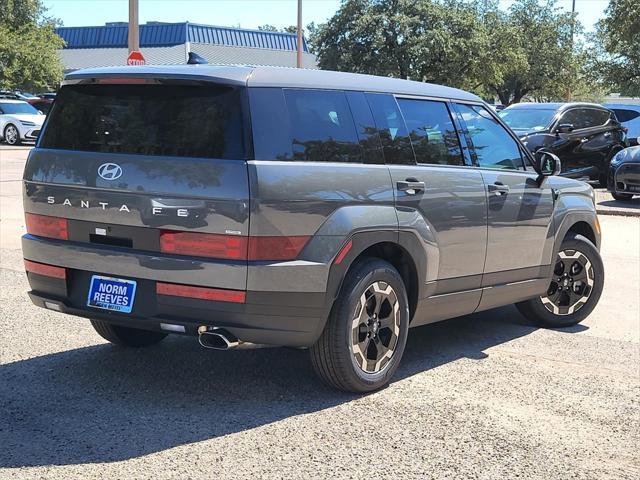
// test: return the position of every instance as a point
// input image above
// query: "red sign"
(136, 58)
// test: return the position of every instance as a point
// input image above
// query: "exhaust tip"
(216, 338)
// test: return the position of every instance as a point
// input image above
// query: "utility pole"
(134, 35)
(299, 31)
(573, 12)
(573, 22)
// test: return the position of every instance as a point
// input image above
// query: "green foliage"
(616, 50)
(470, 44)
(28, 44)
(272, 28)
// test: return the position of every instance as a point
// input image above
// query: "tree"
(271, 28)
(617, 47)
(543, 60)
(28, 44)
(426, 40)
(470, 44)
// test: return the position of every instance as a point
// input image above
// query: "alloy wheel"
(11, 135)
(375, 328)
(571, 285)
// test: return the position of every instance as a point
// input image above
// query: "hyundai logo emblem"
(110, 171)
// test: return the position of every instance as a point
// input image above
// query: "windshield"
(13, 108)
(527, 119)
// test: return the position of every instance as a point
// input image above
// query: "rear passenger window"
(432, 132)
(624, 115)
(322, 128)
(493, 147)
(391, 129)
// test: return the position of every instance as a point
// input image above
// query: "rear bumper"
(291, 319)
(282, 312)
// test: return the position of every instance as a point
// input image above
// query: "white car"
(19, 121)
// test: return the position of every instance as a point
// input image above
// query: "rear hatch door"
(130, 163)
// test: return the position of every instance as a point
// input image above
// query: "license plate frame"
(121, 301)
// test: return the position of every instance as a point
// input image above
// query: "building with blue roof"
(169, 43)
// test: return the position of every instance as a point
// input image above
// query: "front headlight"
(27, 124)
(617, 158)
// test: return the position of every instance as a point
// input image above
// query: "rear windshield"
(172, 120)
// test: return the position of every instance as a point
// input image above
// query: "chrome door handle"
(411, 186)
(498, 189)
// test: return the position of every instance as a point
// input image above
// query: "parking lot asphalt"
(483, 396)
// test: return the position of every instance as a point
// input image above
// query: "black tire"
(602, 180)
(623, 197)
(127, 337)
(333, 356)
(539, 309)
(9, 137)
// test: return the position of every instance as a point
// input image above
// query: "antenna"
(195, 59)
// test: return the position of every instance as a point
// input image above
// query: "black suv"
(296, 207)
(585, 136)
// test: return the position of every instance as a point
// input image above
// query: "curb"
(619, 213)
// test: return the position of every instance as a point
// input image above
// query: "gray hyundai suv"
(297, 208)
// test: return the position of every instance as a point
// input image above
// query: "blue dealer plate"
(115, 294)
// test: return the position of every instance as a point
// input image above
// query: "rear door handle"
(411, 186)
(498, 189)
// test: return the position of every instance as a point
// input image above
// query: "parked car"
(584, 136)
(303, 208)
(48, 95)
(19, 121)
(42, 104)
(628, 116)
(9, 95)
(624, 174)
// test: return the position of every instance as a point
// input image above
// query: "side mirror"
(546, 163)
(565, 128)
(40, 112)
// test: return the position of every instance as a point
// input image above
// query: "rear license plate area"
(113, 294)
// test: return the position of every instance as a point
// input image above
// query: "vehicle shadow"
(633, 203)
(106, 404)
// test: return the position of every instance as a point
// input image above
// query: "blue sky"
(246, 13)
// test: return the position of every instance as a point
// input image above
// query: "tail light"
(44, 269)
(202, 293)
(232, 247)
(44, 226)
(204, 245)
(276, 248)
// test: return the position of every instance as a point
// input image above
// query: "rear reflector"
(46, 270)
(202, 293)
(204, 245)
(343, 252)
(44, 226)
(276, 248)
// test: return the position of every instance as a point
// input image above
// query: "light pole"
(134, 36)
(299, 31)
